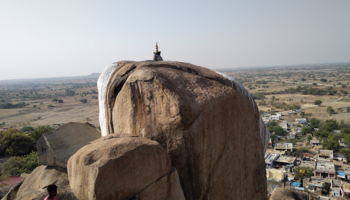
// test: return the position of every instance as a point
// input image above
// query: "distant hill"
(92, 77)
(95, 75)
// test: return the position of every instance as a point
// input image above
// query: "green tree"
(16, 143)
(83, 100)
(309, 138)
(331, 143)
(326, 187)
(318, 102)
(26, 128)
(348, 109)
(15, 166)
(306, 130)
(60, 101)
(314, 123)
(302, 114)
(39, 131)
(278, 130)
(345, 153)
(54, 100)
(330, 110)
(302, 172)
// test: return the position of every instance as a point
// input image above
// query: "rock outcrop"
(31, 188)
(208, 123)
(119, 166)
(56, 147)
(287, 194)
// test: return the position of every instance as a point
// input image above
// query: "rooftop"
(284, 145)
(325, 166)
(286, 159)
(314, 141)
(310, 164)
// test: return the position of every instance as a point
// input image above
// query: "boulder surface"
(31, 188)
(56, 147)
(287, 194)
(208, 123)
(119, 166)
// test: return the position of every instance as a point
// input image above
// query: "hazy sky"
(41, 38)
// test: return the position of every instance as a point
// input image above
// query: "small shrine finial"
(156, 47)
(157, 56)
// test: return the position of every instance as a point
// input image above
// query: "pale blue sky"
(41, 38)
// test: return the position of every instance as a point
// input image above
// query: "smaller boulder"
(120, 166)
(31, 188)
(56, 147)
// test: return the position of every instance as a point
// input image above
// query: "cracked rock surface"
(119, 166)
(209, 125)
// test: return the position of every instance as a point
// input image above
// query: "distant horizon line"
(220, 69)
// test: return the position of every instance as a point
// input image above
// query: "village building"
(315, 142)
(309, 164)
(274, 117)
(300, 120)
(283, 147)
(297, 155)
(325, 154)
(275, 174)
(316, 181)
(325, 169)
(284, 125)
(284, 160)
(335, 131)
(269, 161)
(311, 188)
(345, 190)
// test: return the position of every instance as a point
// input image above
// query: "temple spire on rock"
(157, 56)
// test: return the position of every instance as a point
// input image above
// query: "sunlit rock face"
(207, 122)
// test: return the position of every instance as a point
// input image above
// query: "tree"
(26, 128)
(326, 187)
(302, 172)
(318, 102)
(309, 138)
(302, 114)
(39, 131)
(323, 80)
(314, 123)
(15, 166)
(331, 143)
(330, 110)
(60, 101)
(345, 153)
(16, 143)
(83, 100)
(306, 130)
(348, 109)
(278, 130)
(54, 100)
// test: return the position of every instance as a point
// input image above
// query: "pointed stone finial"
(157, 56)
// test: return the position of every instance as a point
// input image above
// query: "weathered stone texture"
(56, 147)
(209, 125)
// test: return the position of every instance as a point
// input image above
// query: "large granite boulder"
(119, 166)
(207, 122)
(31, 188)
(56, 147)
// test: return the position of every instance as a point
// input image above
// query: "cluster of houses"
(281, 167)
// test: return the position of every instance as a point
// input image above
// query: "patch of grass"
(345, 99)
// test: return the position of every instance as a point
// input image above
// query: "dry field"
(43, 111)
